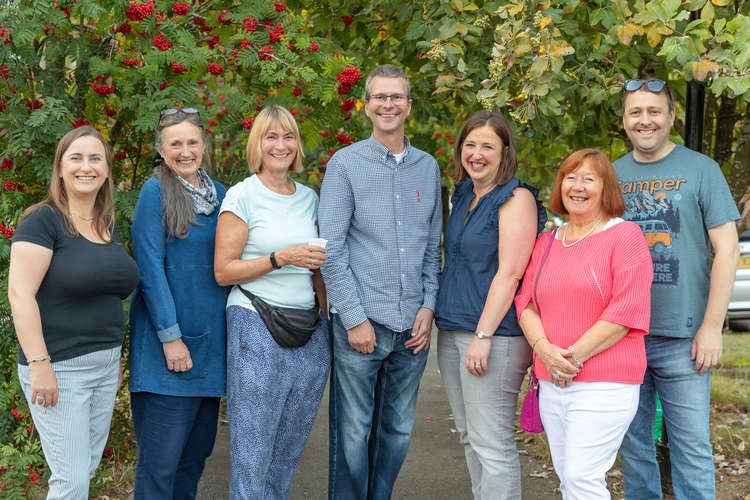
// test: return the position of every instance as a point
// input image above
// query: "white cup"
(318, 242)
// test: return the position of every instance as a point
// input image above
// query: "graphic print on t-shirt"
(653, 204)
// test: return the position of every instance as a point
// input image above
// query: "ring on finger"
(477, 366)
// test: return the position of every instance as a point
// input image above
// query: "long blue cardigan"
(177, 297)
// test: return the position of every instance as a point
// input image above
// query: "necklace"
(565, 229)
(87, 219)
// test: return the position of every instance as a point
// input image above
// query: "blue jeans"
(685, 397)
(373, 398)
(175, 436)
(74, 431)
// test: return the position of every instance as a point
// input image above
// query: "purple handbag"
(531, 419)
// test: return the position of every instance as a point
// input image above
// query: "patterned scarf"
(204, 198)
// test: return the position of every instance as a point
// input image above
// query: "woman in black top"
(68, 275)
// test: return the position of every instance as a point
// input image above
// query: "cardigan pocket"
(198, 347)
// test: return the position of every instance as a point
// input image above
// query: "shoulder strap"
(541, 266)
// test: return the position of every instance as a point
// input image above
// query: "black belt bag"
(289, 327)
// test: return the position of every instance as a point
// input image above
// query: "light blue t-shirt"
(274, 221)
(675, 201)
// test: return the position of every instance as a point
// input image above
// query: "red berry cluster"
(159, 17)
(212, 41)
(344, 138)
(11, 186)
(348, 77)
(180, 8)
(124, 28)
(138, 11)
(215, 69)
(250, 24)
(6, 36)
(102, 89)
(264, 53)
(8, 232)
(80, 122)
(198, 21)
(275, 34)
(7, 164)
(35, 104)
(130, 62)
(248, 123)
(212, 122)
(314, 46)
(109, 111)
(161, 43)
(223, 17)
(347, 105)
(297, 91)
(178, 68)
(163, 84)
(3, 105)
(279, 6)
(347, 19)
(120, 155)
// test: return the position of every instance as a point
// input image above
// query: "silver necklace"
(81, 216)
(565, 232)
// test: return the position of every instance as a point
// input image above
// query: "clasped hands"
(559, 363)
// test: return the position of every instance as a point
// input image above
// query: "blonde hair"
(57, 196)
(265, 119)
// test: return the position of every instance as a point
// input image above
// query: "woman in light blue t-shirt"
(262, 246)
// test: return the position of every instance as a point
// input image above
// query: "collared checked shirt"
(382, 221)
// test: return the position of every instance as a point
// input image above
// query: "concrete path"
(435, 467)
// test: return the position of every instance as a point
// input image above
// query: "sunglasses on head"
(654, 86)
(172, 111)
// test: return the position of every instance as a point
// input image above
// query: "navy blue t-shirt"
(80, 297)
(471, 258)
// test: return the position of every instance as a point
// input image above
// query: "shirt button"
(403, 275)
(398, 196)
(398, 222)
(402, 250)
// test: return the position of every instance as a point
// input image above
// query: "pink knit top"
(606, 276)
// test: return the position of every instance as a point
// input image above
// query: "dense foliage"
(554, 66)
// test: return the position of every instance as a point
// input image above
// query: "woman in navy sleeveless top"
(482, 353)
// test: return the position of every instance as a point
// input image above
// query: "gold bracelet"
(535, 342)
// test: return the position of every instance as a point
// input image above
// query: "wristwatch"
(481, 335)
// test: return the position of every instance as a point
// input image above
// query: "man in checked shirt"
(380, 212)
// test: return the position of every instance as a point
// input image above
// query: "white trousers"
(74, 431)
(585, 424)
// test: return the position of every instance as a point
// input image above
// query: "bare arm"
(707, 345)
(551, 355)
(231, 237)
(320, 291)
(517, 224)
(29, 263)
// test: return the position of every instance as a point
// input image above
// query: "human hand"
(477, 355)
(177, 356)
(561, 369)
(362, 337)
(421, 331)
(308, 256)
(43, 384)
(706, 349)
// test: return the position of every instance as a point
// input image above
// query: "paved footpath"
(435, 467)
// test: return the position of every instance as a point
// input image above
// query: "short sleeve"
(236, 201)
(632, 273)
(41, 227)
(716, 202)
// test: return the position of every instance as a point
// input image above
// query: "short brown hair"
(267, 117)
(613, 204)
(57, 196)
(502, 129)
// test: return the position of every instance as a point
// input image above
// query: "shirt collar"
(379, 149)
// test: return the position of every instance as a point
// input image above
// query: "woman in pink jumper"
(584, 307)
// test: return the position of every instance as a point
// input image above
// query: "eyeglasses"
(654, 86)
(174, 111)
(396, 99)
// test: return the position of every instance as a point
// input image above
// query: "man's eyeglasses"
(654, 86)
(396, 99)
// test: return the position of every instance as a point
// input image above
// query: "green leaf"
(694, 4)
(461, 66)
(707, 13)
(415, 30)
(448, 29)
